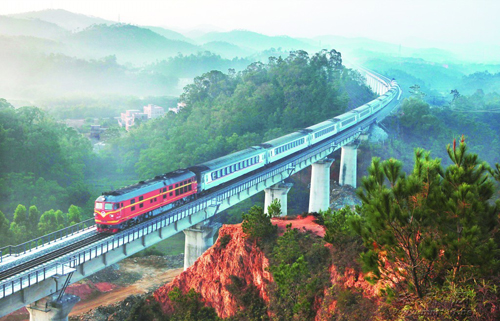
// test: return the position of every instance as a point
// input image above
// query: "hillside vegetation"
(225, 113)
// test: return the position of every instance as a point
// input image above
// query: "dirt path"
(152, 278)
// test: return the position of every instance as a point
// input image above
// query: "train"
(130, 205)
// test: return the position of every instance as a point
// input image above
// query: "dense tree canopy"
(229, 112)
(42, 162)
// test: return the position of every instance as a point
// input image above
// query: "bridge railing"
(16, 250)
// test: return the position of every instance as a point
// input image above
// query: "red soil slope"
(210, 273)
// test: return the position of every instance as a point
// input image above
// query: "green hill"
(30, 27)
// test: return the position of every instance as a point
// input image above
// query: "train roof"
(151, 184)
(345, 115)
(286, 139)
(228, 159)
(322, 125)
(362, 107)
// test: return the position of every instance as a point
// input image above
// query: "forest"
(51, 166)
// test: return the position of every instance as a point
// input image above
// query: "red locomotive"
(129, 205)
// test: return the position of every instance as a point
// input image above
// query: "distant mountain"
(65, 19)
(344, 44)
(34, 28)
(226, 49)
(256, 41)
(129, 43)
(369, 48)
(169, 34)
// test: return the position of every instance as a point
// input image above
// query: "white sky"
(453, 21)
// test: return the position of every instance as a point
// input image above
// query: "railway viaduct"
(76, 252)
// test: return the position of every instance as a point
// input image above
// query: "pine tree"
(397, 224)
(470, 219)
(431, 225)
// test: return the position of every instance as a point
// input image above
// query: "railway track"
(50, 256)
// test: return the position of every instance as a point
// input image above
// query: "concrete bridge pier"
(199, 238)
(348, 165)
(279, 192)
(319, 197)
(49, 309)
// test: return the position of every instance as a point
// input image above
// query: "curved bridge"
(79, 251)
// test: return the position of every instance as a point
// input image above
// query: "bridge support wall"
(279, 192)
(319, 197)
(49, 310)
(199, 238)
(348, 165)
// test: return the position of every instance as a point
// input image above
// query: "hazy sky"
(456, 21)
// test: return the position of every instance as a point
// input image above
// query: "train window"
(132, 208)
(141, 198)
(190, 187)
(176, 185)
(171, 193)
(132, 201)
(141, 205)
(165, 195)
(170, 187)
(116, 206)
(98, 206)
(155, 199)
(164, 190)
(176, 192)
(121, 204)
(185, 189)
(150, 201)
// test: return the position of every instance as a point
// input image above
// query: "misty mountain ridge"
(169, 34)
(30, 27)
(254, 40)
(65, 19)
(227, 50)
(128, 42)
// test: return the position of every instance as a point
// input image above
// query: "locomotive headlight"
(112, 216)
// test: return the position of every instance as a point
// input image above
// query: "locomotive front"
(106, 215)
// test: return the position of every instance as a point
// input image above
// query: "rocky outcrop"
(210, 274)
